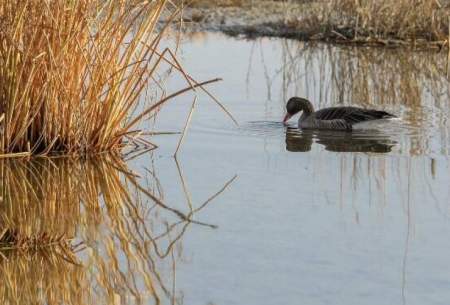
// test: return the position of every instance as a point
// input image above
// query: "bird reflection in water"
(338, 141)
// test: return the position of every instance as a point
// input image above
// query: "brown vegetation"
(380, 22)
(72, 73)
(384, 21)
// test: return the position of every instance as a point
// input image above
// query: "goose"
(332, 118)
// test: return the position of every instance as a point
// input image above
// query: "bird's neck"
(307, 108)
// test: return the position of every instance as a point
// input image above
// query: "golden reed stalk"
(72, 72)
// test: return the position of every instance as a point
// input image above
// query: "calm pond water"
(299, 217)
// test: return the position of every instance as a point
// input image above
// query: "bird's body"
(333, 118)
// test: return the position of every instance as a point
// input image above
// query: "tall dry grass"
(384, 21)
(72, 72)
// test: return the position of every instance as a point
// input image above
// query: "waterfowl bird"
(332, 118)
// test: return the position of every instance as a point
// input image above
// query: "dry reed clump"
(217, 3)
(72, 72)
(384, 21)
(380, 22)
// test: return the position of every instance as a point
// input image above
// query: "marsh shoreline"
(296, 20)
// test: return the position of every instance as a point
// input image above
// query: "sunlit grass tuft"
(72, 72)
(389, 19)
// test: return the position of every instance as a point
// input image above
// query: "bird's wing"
(351, 115)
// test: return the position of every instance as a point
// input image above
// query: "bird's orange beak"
(286, 118)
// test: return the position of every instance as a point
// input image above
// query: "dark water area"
(259, 213)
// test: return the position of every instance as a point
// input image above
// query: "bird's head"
(295, 105)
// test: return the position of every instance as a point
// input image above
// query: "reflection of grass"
(42, 278)
(12, 240)
(54, 208)
(367, 76)
(363, 186)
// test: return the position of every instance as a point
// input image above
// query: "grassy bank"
(422, 23)
(384, 21)
(72, 73)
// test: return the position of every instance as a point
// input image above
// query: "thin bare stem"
(186, 126)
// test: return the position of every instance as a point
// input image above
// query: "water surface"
(316, 217)
(311, 218)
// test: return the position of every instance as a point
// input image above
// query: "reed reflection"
(88, 231)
